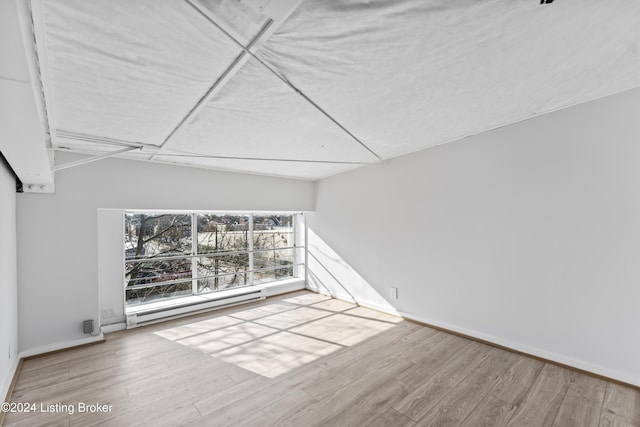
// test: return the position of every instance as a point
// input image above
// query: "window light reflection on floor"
(278, 336)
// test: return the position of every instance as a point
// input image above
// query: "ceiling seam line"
(231, 157)
(212, 91)
(100, 139)
(265, 159)
(284, 80)
(93, 159)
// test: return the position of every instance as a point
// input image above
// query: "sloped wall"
(527, 236)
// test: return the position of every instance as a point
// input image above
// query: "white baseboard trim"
(114, 327)
(60, 346)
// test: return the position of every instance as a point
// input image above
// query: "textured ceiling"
(308, 89)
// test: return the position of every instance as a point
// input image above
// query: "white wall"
(528, 236)
(111, 266)
(57, 247)
(8, 280)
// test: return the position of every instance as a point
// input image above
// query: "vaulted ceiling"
(308, 89)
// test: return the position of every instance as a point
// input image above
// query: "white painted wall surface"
(111, 266)
(58, 249)
(8, 281)
(527, 236)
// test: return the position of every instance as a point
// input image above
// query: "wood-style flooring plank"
(432, 356)
(391, 417)
(368, 406)
(621, 406)
(543, 402)
(274, 412)
(39, 420)
(464, 397)
(499, 405)
(360, 393)
(582, 404)
(347, 367)
(445, 377)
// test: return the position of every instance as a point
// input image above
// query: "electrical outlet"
(87, 326)
(108, 312)
(394, 293)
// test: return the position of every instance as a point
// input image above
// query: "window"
(223, 252)
(273, 247)
(164, 257)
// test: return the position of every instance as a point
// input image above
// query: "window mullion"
(295, 219)
(194, 251)
(250, 248)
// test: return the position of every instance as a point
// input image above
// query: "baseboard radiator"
(161, 314)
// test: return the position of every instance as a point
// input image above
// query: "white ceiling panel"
(257, 115)
(410, 74)
(240, 20)
(129, 70)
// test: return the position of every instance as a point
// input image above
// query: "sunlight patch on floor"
(200, 327)
(277, 354)
(279, 336)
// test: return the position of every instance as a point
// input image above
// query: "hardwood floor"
(303, 359)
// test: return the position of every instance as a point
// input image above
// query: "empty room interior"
(310, 212)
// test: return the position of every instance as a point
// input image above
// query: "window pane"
(272, 235)
(154, 235)
(272, 258)
(272, 231)
(273, 264)
(149, 272)
(271, 275)
(220, 233)
(135, 296)
(218, 283)
(228, 270)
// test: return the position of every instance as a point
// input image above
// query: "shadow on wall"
(328, 273)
